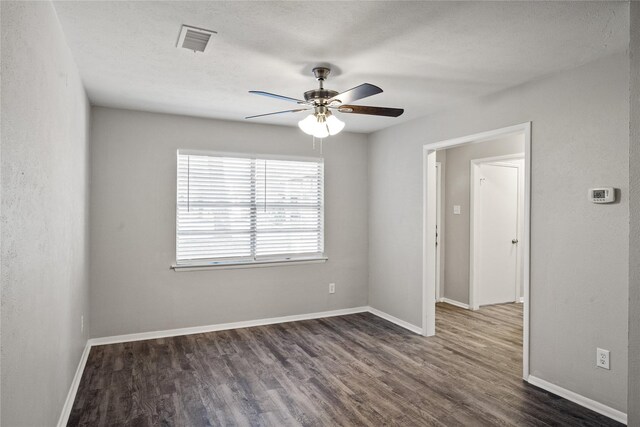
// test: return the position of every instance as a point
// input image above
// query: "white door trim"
(428, 227)
(474, 168)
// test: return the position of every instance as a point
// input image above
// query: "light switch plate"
(456, 209)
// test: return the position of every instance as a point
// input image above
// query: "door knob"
(514, 241)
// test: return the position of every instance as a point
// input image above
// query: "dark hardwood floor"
(348, 370)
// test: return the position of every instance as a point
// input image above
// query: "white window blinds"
(243, 210)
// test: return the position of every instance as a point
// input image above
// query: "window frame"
(245, 262)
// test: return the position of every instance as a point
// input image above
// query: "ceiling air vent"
(195, 39)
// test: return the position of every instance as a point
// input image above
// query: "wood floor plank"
(356, 370)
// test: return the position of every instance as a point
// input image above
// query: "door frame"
(474, 226)
(429, 219)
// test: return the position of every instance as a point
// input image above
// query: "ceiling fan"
(321, 122)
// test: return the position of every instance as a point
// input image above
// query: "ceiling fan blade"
(374, 111)
(358, 92)
(273, 95)
(278, 112)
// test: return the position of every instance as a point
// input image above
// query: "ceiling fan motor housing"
(320, 96)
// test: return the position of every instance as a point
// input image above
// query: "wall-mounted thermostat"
(602, 195)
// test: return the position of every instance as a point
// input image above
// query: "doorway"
(430, 218)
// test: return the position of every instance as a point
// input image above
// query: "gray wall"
(44, 229)
(456, 189)
(133, 227)
(580, 140)
(634, 209)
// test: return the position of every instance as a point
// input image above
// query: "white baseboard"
(454, 302)
(598, 407)
(413, 328)
(75, 383)
(223, 326)
(521, 300)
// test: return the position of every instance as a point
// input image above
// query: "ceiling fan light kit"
(321, 123)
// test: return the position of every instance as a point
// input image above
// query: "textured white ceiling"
(426, 56)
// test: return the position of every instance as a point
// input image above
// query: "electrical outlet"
(602, 358)
(332, 288)
(82, 323)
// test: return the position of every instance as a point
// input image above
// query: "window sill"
(253, 264)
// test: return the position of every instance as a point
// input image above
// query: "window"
(244, 210)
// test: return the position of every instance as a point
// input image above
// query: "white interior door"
(497, 248)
